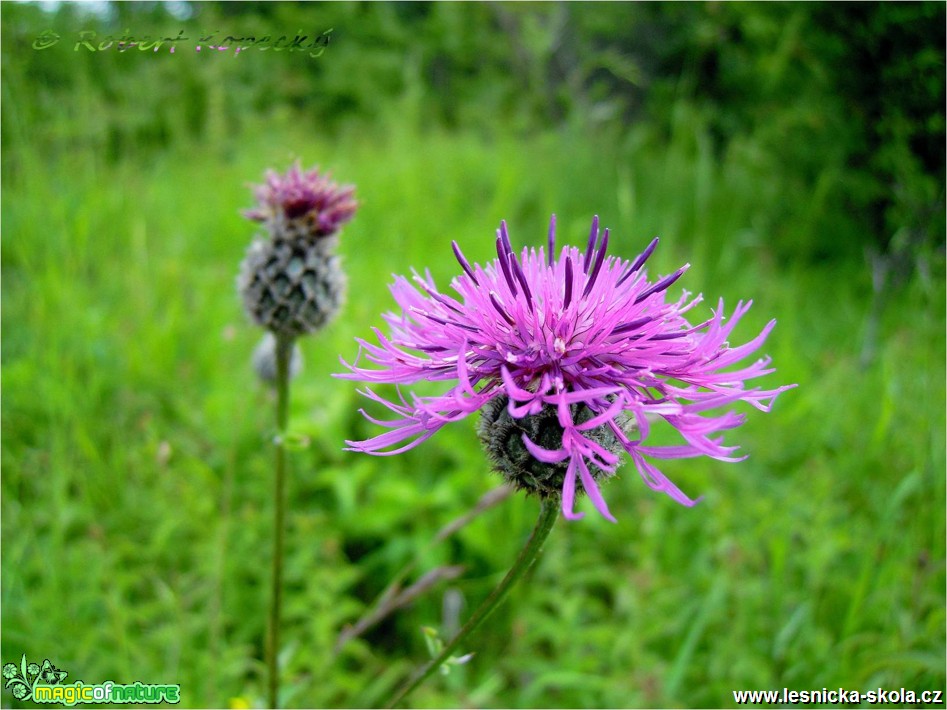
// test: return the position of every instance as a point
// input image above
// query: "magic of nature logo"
(43, 684)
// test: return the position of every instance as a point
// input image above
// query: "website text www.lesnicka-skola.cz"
(839, 696)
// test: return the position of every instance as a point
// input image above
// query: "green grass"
(137, 474)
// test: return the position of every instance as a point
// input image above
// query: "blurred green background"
(792, 153)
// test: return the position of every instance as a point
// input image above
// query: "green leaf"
(295, 441)
(432, 640)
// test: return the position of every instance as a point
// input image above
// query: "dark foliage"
(855, 88)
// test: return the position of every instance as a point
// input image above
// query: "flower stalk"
(548, 512)
(292, 284)
(284, 349)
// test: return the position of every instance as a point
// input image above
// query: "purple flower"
(585, 341)
(304, 196)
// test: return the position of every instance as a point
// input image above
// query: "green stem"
(284, 349)
(548, 513)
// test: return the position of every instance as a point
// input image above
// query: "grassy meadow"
(136, 457)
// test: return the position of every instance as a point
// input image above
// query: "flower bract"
(291, 280)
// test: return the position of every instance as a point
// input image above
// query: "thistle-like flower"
(292, 284)
(291, 281)
(569, 359)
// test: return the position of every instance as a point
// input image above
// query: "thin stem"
(548, 513)
(284, 349)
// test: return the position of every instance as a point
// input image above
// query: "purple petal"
(568, 494)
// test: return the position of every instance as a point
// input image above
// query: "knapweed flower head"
(570, 359)
(305, 200)
(291, 280)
